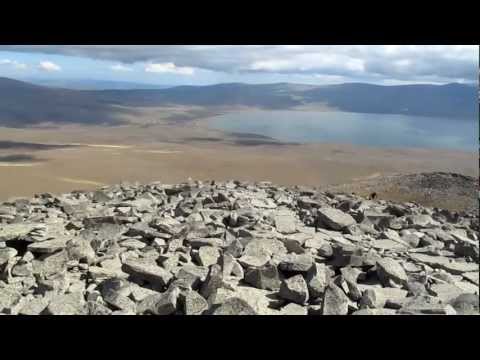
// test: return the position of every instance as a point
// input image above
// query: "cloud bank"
(369, 63)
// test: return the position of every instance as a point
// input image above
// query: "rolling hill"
(23, 104)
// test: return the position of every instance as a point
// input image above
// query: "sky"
(212, 64)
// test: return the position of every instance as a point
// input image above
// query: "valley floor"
(82, 157)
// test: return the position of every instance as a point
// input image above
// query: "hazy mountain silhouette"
(24, 104)
(451, 100)
(79, 84)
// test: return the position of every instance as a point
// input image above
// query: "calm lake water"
(380, 130)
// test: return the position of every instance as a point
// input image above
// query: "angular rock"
(416, 288)
(8, 299)
(390, 271)
(34, 307)
(261, 301)
(379, 297)
(22, 268)
(464, 249)
(472, 276)
(81, 250)
(96, 309)
(249, 261)
(202, 242)
(466, 304)
(294, 289)
(375, 312)
(265, 246)
(426, 305)
(67, 304)
(192, 275)
(235, 249)
(133, 244)
(453, 267)
(234, 306)
(208, 255)
(350, 276)
(145, 270)
(214, 281)
(296, 263)
(195, 304)
(334, 219)
(19, 231)
(335, 302)
(227, 262)
(160, 304)
(139, 293)
(48, 247)
(317, 281)
(285, 224)
(446, 292)
(50, 265)
(6, 254)
(265, 277)
(294, 309)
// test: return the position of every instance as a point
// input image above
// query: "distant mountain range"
(79, 84)
(23, 104)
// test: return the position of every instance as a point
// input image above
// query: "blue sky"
(210, 64)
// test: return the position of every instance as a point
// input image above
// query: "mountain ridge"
(24, 103)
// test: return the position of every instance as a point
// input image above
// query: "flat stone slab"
(454, 267)
(148, 271)
(334, 219)
(472, 276)
(17, 231)
(48, 247)
(285, 224)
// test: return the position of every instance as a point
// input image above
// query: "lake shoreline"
(247, 122)
(173, 153)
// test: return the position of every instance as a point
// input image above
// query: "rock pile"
(233, 248)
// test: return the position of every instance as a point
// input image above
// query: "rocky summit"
(234, 248)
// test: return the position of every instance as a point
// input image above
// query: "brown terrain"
(65, 158)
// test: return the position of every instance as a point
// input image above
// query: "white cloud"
(271, 65)
(49, 66)
(168, 68)
(329, 63)
(366, 63)
(120, 68)
(13, 63)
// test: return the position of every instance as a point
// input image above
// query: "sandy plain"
(86, 157)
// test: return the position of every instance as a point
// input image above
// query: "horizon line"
(33, 79)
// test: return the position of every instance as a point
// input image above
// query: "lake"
(378, 130)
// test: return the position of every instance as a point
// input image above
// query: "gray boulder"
(148, 271)
(335, 302)
(334, 219)
(234, 306)
(296, 263)
(294, 289)
(194, 304)
(160, 304)
(265, 277)
(390, 272)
